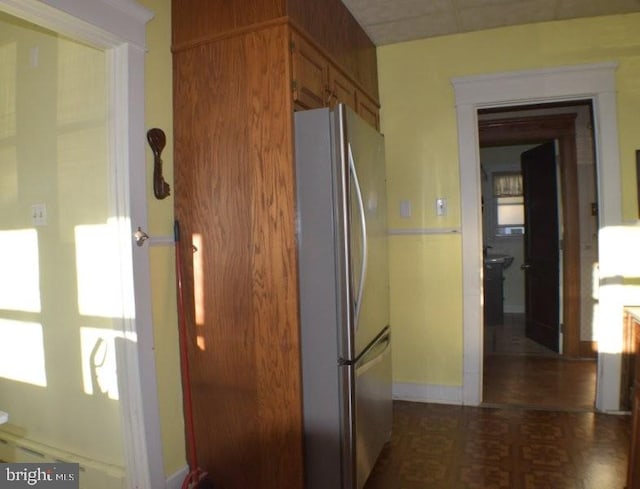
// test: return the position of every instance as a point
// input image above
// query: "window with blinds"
(507, 191)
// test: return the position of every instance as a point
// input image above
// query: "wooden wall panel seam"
(240, 31)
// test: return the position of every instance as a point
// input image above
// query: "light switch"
(405, 208)
(441, 206)
(39, 214)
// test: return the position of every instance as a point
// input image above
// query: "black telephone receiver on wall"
(157, 141)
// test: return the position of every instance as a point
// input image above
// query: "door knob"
(140, 236)
(525, 266)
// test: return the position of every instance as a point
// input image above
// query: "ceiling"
(391, 21)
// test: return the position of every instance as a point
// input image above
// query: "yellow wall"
(425, 277)
(53, 151)
(419, 123)
(159, 113)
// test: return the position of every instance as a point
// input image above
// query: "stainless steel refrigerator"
(344, 296)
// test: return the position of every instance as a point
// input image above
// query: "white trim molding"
(103, 23)
(595, 82)
(175, 480)
(420, 231)
(438, 394)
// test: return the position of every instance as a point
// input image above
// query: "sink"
(504, 260)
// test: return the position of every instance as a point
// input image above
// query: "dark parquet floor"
(536, 430)
(437, 446)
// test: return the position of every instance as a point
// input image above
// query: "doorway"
(71, 130)
(548, 301)
(594, 82)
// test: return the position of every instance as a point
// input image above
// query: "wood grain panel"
(628, 361)
(330, 25)
(234, 187)
(368, 110)
(632, 327)
(588, 349)
(310, 74)
(571, 238)
(633, 464)
(342, 90)
(199, 19)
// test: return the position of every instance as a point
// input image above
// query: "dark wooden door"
(541, 253)
(633, 460)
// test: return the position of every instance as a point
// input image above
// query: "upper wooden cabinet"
(368, 109)
(327, 24)
(310, 75)
(331, 27)
(317, 82)
(341, 89)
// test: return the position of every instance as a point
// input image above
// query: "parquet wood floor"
(437, 446)
(536, 430)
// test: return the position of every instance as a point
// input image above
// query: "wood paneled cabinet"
(368, 109)
(310, 75)
(235, 200)
(341, 89)
(317, 82)
(632, 325)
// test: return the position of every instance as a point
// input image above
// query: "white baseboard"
(439, 394)
(175, 481)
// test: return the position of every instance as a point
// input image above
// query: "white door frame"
(119, 28)
(594, 82)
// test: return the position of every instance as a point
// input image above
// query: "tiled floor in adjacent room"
(520, 372)
(536, 430)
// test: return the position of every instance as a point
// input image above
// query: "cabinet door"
(310, 75)
(341, 90)
(628, 364)
(633, 463)
(368, 109)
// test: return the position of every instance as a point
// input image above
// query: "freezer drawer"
(372, 407)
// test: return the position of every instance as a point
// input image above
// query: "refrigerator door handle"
(363, 227)
(375, 355)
